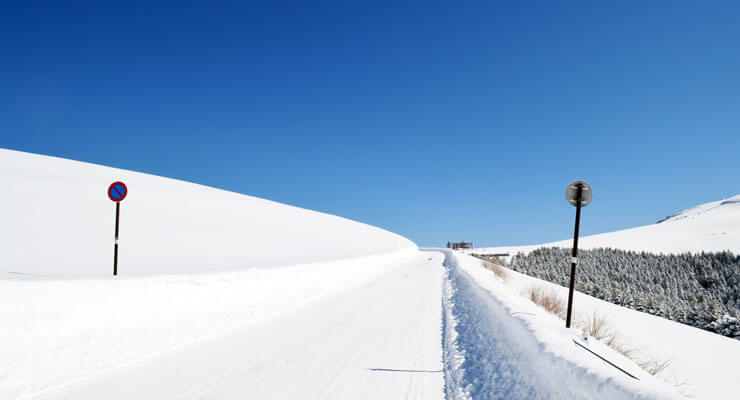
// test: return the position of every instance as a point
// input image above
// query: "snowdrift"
(710, 227)
(59, 222)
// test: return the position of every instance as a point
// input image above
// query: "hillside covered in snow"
(58, 221)
(710, 227)
(194, 262)
(683, 268)
(701, 290)
(694, 363)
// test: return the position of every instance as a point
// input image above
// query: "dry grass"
(596, 326)
(599, 328)
(548, 300)
(653, 367)
(495, 268)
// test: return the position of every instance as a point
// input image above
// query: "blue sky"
(437, 120)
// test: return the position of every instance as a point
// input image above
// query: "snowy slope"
(195, 263)
(708, 227)
(701, 365)
(58, 221)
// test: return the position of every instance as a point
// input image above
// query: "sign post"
(579, 194)
(117, 191)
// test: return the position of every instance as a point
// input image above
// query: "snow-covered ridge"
(731, 205)
(709, 227)
(58, 222)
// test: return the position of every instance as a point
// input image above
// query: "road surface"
(381, 341)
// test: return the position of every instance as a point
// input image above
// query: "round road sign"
(586, 193)
(117, 191)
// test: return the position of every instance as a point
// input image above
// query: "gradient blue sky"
(437, 120)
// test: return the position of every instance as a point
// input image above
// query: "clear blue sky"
(439, 121)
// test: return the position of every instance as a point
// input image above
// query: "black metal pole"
(115, 246)
(574, 260)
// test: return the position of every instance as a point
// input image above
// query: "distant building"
(459, 245)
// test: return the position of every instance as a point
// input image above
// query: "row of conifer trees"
(702, 290)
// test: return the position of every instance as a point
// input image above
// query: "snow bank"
(503, 346)
(710, 227)
(58, 221)
(701, 364)
(56, 332)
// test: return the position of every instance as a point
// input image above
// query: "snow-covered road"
(379, 341)
(248, 298)
(430, 325)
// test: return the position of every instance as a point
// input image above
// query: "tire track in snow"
(482, 360)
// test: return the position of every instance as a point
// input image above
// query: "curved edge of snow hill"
(57, 333)
(709, 227)
(57, 221)
(501, 345)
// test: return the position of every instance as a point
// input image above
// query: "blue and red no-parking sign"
(117, 191)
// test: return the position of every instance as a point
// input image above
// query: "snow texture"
(710, 227)
(377, 337)
(222, 295)
(502, 346)
(58, 222)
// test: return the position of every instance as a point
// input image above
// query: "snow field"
(701, 364)
(57, 221)
(710, 227)
(505, 347)
(56, 332)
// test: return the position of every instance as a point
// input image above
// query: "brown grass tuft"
(495, 268)
(596, 326)
(548, 300)
(654, 367)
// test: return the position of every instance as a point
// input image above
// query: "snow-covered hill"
(710, 227)
(699, 364)
(698, 361)
(194, 262)
(58, 221)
